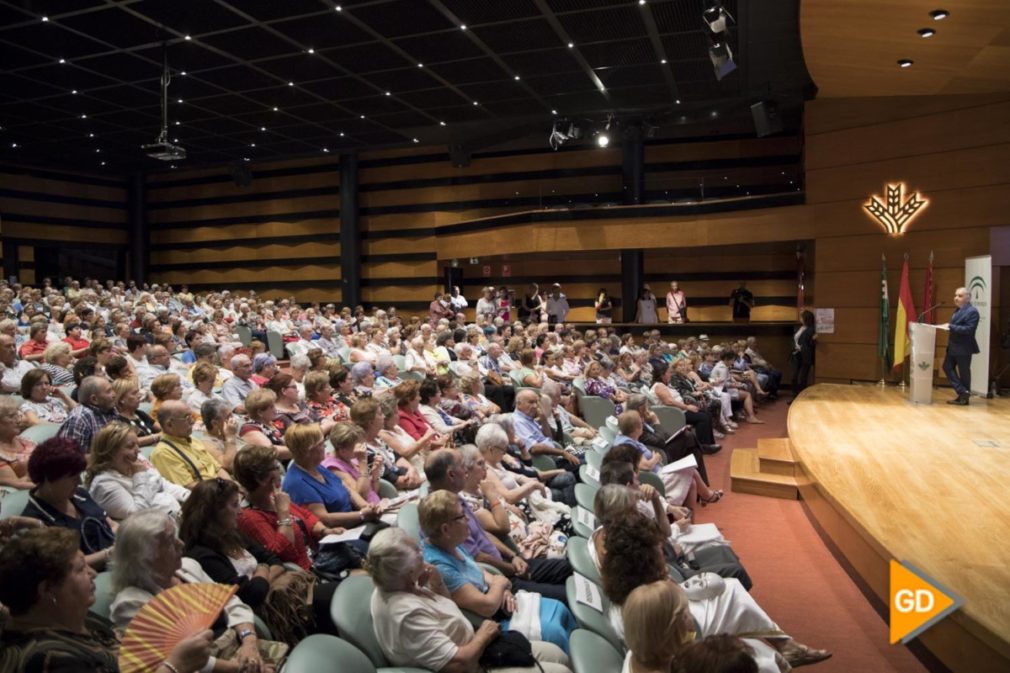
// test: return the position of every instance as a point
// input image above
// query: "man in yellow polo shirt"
(180, 458)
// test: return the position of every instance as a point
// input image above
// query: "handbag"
(334, 562)
(509, 649)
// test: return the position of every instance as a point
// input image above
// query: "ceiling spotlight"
(362, 117)
(420, 65)
(663, 61)
(339, 8)
(463, 27)
(84, 116)
(475, 103)
(441, 123)
(45, 19)
(388, 94)
(252, 144)
(554, 112)
(603, 139)
(715, 16)
(187, 38)
(939, 14)
(415, 140)
(275, 109)
(677, 101)
(291, 83)
(91, 135)
(562, 131)
(183, 73)
(517, 78)
(179, 100)
(101, 163)
(571, 45)
(98, 150)
(263, 128)
(341, 134)
(326, 149)
(905, 62)
(73, 92)
(311, 50)
(245, 158)
(14, 145)
(178, 123)
(62, 61)
(926, 32)
(641, 2)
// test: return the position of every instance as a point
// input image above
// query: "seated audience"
(148, 559)
(121, 482)
(220, 436)
(57, 360)
(128, 400)
(443, 523)
(658, 626)
(289, 407)
(351, 461)
(204, 376)
(14, 449)
(322, 406)
(166, 387)
(417, 623)
(43, 403)
(95, 409)
(316, 488)
(698, 418)
(370, 415)
(238, 387)
(263, 427)
(181, 458)
(58, 499)
(48, 587)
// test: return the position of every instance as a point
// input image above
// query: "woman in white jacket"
(122, 482)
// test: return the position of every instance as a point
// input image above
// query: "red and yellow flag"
(906, 313)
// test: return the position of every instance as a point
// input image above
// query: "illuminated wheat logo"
(896, 215)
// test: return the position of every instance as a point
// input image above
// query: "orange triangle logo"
(917, 602)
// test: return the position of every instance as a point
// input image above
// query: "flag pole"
(904, 369)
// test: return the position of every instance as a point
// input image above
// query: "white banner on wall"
(978, 280)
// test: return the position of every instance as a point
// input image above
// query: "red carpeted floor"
(797, 580)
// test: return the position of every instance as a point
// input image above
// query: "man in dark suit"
(961, 346)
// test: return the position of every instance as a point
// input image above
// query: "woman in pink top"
(350, 462)
(676, 304)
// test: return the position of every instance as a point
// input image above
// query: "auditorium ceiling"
(853, 48)
(269, 79)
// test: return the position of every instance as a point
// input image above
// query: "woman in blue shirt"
(316, 488)
(444, 525)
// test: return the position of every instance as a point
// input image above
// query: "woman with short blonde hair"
(657, 626)
(264, 428)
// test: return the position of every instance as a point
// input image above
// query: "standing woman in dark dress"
(804, 343)
(532, 305)
(604, 307)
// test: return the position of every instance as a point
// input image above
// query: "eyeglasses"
(458, 518)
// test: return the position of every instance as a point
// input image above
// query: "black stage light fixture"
(722, 57)
(715, 16)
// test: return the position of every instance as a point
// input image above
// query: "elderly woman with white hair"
(416, 621)
(389, 373)
(415, 360)
(57, 359)
(264, 366)
(515, 459)
(363, 376)
(147, 559)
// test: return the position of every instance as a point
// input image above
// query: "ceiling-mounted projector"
(161, 149)
(164, 150)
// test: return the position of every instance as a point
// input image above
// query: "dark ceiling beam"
(657, 46)
(566, 39)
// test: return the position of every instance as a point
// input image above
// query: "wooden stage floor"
(917, 483)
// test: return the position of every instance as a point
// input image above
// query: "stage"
(927, 484)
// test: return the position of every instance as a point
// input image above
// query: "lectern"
(923, 348)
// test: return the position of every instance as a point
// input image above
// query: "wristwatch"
(245, 633)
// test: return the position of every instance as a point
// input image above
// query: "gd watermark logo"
(917, 602)
(896, 214)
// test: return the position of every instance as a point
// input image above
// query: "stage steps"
(769, 470)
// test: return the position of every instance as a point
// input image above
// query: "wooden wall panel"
(260, 185)
(56, 233)
(405, 269)
(250, 232)
(239, 253)
(40, 207)
(246, 209)
(725, 149)
(438, 168)
(264, 275)
(538, 188)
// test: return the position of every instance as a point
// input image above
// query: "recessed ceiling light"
(554, 112)
(663, 61)
(14, 145)
(263, 128)
(326, 149)
(291, 83)
(420, 65)
(98, 150)
(939, 14)
(463, 27)
(641, 2)
(677, 101)
(415, 140)
(45, 19)
(91, 135)
(926, 32)
(183, 73)
(388, 94)
(73, 91)
(188, 38)
(311, 50)
(275, 109)
(178, 123)
(362, 116)
(84, 116)
(179, 100)
(571, 44)
(341, 134)
(339, 8)
(475, 102)
(245, 158)
(441, 123)
(517, 78)
(905, 62)
(62, 61)
(102, 163)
